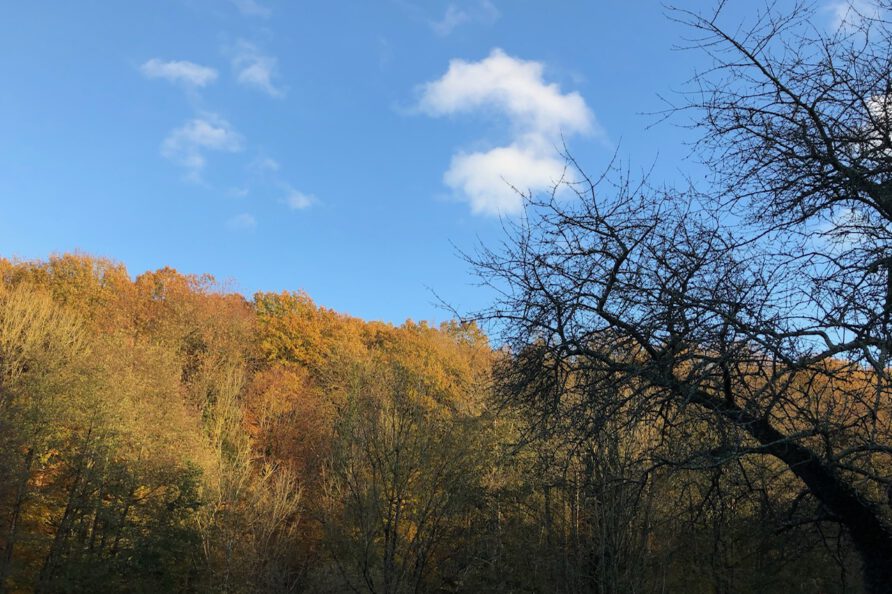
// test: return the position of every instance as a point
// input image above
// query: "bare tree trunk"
(49, 562)
(865, 526)
(21, 492)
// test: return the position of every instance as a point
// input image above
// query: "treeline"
(164, 435)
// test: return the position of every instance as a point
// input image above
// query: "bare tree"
(757, 310)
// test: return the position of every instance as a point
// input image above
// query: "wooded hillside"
(163, 435)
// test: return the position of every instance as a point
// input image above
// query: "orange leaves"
(289, 419)
(233, 412)
(92, 287)
(292, 328)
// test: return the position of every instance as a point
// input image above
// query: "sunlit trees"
(381, 425)
(37, 344)
(99, 493)
(192, 440)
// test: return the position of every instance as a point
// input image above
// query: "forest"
(675, 389)
(160, 435)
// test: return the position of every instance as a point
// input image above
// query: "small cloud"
(848, 14)
(186, 145)
(242, 222)
(238, 192)
(484, 12)
(252, 8)
(491, 181)
(385, 51)
(845, 229)
(297, 200)
(512, 86)
(453, 18)
(254, 69)
(179, 71)
(264, 165)
(540, 114)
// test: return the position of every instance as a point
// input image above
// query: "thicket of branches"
(747, 322)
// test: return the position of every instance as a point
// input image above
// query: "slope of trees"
(691, 391)
(161, 435)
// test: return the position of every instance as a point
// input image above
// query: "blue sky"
(346, 148)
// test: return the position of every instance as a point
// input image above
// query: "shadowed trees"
(749, 320)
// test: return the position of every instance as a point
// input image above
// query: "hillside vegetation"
(163, 435)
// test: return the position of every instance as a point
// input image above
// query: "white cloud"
(847, 14)
(242, 222)
(263, 165)
(186, 145)
(845, 229)
(879, 121)
(254, 69)
(539, 113)
(483, 12)
(513, 86)
(489, 179)
(453, 18)
(385, 52)
(252, 8)
(297, 200)
(179, 71)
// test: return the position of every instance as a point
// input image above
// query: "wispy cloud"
(252, 8)
(242, 222)
(847, 14)
(484, 12)
(266, 175)
(385, 52)
(186, 146)
(297, 200)
(255, 69)
(262, 165)
(182, 72)
(539, 115)
(453, 18)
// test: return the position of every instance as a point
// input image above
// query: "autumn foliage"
(160, 434)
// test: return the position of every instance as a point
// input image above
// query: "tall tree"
(756, 310)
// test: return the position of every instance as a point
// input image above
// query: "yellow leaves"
(39, 344)
(453, 362)
(293, 329)
(84, 284)
(163, 391)
(277, 391)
